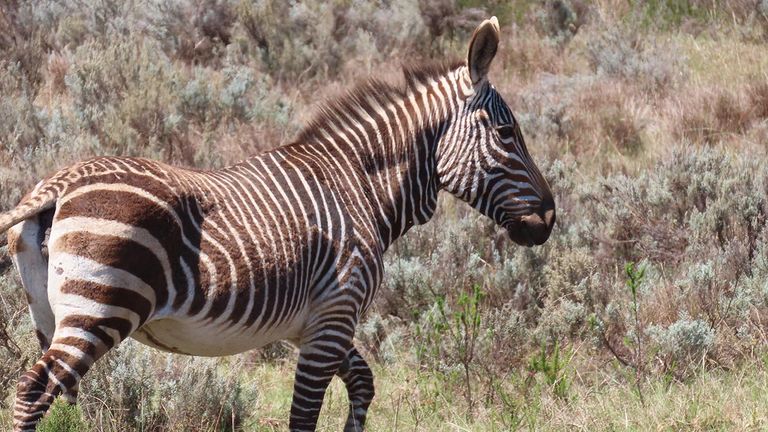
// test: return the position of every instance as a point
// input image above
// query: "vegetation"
(647, 308)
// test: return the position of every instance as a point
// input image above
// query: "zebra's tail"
(42, 198)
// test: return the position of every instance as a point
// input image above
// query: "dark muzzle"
(536, 227)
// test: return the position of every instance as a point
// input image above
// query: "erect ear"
(482, 49)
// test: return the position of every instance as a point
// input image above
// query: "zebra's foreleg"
(319, 360)
(358, 379)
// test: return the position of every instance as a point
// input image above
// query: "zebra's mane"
(335, 110)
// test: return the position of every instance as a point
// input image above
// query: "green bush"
(63, 417)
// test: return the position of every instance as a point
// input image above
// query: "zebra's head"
(483, 159)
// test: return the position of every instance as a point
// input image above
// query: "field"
(646, 310)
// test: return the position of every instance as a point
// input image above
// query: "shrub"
(383, 338)
(63, 417)
(622, 53)
(408, 287)
(723, 114)
(135, 388)
(684, 343)
(560, 20)
(505, 342)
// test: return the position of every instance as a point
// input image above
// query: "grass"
(723, 61)
(412, 400)
(715, 400)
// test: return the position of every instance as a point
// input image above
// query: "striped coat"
(286, 245)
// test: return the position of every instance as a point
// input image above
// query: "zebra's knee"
(70, 395)
(358, 379)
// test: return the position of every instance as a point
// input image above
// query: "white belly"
(207, 339)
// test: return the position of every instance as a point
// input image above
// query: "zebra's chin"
(517, 235)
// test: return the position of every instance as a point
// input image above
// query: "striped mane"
(335, 110)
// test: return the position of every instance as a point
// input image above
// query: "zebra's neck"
(388, 139)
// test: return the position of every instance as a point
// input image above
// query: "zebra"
(285, 245)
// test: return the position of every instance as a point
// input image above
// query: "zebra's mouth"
(521, 239)
(517, 233)
(531, 230)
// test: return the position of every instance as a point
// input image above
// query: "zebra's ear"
(482, 49)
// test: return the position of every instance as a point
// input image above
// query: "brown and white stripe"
(284, 245)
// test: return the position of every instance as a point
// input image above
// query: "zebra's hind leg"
(358, 379)
(26, 247)
(77, 343)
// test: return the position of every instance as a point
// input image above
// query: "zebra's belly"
(207, 339)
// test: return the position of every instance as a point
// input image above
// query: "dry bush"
(560, 20)
(23, 41)
(624, 53)
(58, 65)
(18, 347)
(708, 117)
(587, 117)
(195, 32)
(758, 95)
(135, 388)
(446, 18)
(525, 55)
(324, 35)
(125, 94)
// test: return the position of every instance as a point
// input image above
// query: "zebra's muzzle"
(535, 228)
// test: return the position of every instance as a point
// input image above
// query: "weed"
(450, 337)
(553, 367)
(635, 276)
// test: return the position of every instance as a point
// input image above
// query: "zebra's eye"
(506, 131)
